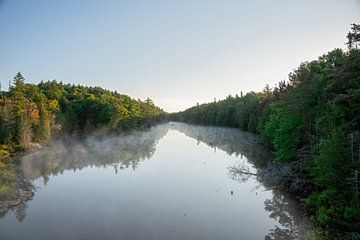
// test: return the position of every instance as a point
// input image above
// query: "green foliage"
(4, 158)
(284, 131)
(354, 37)
(352, 214)
(28, 112)
(332, 153)
(232, 112)
(91, 108)
(311, 121)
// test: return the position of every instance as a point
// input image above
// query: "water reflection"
(229, 140)
(129, 150)
(76, 153)
(287, 212)
(119, 152)
(283, 207)
(20, 192)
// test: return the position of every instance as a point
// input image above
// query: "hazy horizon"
(177, 53)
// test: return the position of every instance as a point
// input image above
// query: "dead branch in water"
(272, 188)
(242, 172)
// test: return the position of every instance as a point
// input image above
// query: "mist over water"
(76, 153)
(173, 181)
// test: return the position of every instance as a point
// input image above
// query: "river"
(174, 181)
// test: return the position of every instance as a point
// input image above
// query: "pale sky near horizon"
(177, 53)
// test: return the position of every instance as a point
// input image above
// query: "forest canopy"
(311, 122)
(30, 113)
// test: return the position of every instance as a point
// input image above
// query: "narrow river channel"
(175, 181)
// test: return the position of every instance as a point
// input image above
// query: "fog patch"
(78, 152)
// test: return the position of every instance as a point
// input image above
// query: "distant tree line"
(30, 113)
(312, 120)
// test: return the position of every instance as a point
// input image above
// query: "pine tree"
(21, 126)
(354, 37)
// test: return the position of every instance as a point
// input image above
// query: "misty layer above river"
(172, 181)
(230, 140)
(76, 153)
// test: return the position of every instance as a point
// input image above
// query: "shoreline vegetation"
(311, 123)
(30, 115)
(243, 143)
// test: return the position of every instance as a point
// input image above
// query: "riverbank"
(274, 176)
(285, 177)
(173, 178)
(311, 123)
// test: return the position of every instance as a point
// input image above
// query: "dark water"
(175, 181)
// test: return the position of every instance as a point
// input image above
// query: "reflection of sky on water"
(181, 192)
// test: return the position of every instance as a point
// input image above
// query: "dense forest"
(30, 114)
(311, 122)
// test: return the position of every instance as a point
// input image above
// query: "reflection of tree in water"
(286, 210)
(16, 201)
(119, 152)
(282, 207)
(241, 172)
(70, 153)
(127, 151)
(230, 140)
(19, 209)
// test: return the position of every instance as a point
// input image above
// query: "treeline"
(312, 120)
(29, 113)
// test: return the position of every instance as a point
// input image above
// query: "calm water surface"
(175, 181)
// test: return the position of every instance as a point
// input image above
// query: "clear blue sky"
(176, 52)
